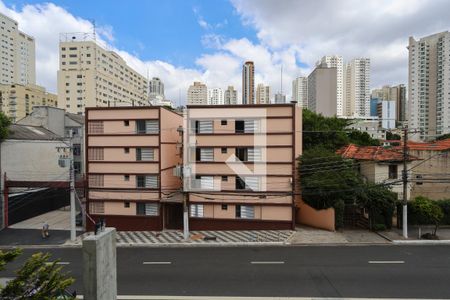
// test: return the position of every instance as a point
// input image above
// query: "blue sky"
(166, 30)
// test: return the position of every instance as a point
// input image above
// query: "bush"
(339, 207)
(379, 227)
(423, 211)
(445, 206)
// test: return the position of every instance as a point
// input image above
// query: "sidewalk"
(21, 237)
(57, 219)
(175, 237)
(307, 235)
(396, 235)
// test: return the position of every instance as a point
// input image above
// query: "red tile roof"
(432, 146)
(374, 153)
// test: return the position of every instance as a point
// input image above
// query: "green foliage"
(423, 211)
(392, 136)
(380, 202)
(379, 227)
(443, 137)
(445, 206)
(331, 133)
(37, 279)
(8, 256)
(339, 208)
(4, 124)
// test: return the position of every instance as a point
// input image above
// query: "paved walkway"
(396, 234)
(57, 219)
(308, 235)
(131, 238)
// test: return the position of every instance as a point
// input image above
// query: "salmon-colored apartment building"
(240, 166)
(131, 153)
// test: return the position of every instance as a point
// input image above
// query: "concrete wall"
(323, 218)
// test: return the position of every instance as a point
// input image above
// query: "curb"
(421, 242)
(384, 236)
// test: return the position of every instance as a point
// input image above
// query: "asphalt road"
(344, 271)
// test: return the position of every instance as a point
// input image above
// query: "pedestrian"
(45, 233)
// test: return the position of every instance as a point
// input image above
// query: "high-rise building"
(17, 55)
(248, 83)
(300, 91)
(17, 101)
(90, 76)
(197, 94)
(279, 98)
(394, 93)
(263, 93)
(357, 88)
(429, 85)
(215, 96)
(155, 89)
(230, 95)
(336, 61)
(322, 90)
(386, 114)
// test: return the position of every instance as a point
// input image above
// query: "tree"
(443, 137)
(380, 201)
(36, 279)
(393, 136)
(331, 133)
(424, 211)
(4, 125)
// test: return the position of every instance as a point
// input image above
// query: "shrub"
(379, 227)
(423, 211)
(339, 207)
(445, 206)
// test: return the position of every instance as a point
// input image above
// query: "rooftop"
(25, 132)
(373, 153)
(442, 145)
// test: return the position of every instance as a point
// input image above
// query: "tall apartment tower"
(322, 90)
(248, 83)
(357, 88)
(197, 94)
(300, 91)
(230, 95)
(90, 76)
(156, 87)
(263, 93)
(215, 96)
(393, 93)
(429, 85)
(336, 61)
(17, 55)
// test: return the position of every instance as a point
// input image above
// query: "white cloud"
(378, 29)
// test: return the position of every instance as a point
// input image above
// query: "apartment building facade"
(336, 61)
(230, 96)
(241, 166)
(300, 91)
(131, 154)
(393, 93)
(197, 94)
(17, 57)
(91, 76)
(248, 83)
(322, 90)
(215, 96)
(263, 93)
(429, 85)
(17, 100)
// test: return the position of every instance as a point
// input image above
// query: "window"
(147, 181)
(245, 212)
(126, 123)
(147, 209)
(224, 178)
(196, 210)
(147, 126)
(77, 167)
(126, 177)
(96, 153)
(95, 127)
(239, 126)
(205, 126)
(223, 122)
(145, 154)
(97, 208)
(242, 154)
(96, 180)
(240, 183)
(126, 150)
(203, 182)
(126, 204)
(223, 150)
(393, 172)
(254, 154)
(252, 182)
(76, 149)
(204, 154)
(224, 207)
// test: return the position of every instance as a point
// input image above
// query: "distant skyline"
(185, 41)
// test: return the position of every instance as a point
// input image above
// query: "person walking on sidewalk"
(45, 233)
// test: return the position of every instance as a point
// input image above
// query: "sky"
(182, 41)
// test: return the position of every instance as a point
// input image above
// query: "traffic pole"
(405, 183)
(73, 233)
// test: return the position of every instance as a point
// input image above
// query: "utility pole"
(73, 233)
(184, 192)
(405, 183)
